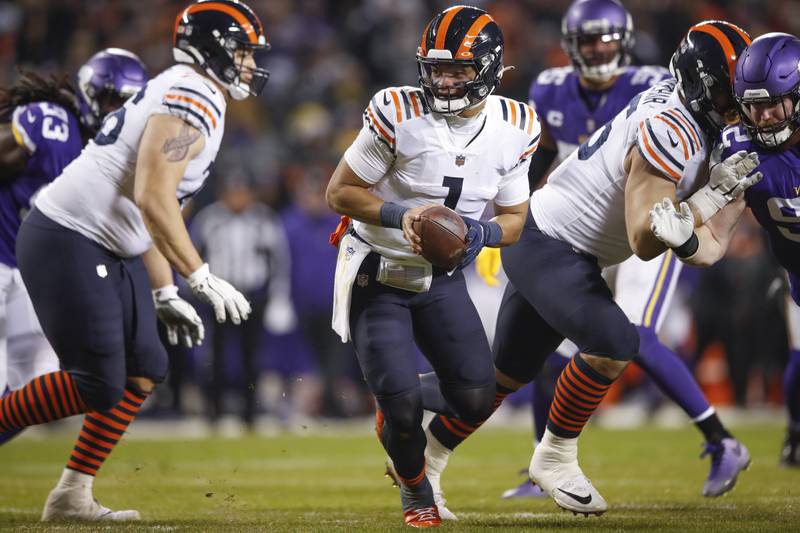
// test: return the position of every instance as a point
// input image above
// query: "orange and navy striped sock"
(414, 481)
(101, 432)
(579, 390)
(43, 399)
(450, 431)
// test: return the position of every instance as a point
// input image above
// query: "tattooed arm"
(167, 145)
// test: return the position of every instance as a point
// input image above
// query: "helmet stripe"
(228, 10)
(724, 42)
(423, 43)
(444, 25)
(472, 34)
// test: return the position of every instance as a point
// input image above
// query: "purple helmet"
(767, 73)
(110, 77)
(607, 20)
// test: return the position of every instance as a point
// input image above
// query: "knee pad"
(403, 413)
(473, 405)
(97, 394)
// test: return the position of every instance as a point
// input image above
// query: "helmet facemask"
(465, 93)
(237, 70)
(599, 67)
(775, 134)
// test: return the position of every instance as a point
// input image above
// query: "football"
(443, 235)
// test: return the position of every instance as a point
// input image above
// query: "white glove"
(673, 228)
(219, 294)
(178, 316)
(727, 181)
(279, 316)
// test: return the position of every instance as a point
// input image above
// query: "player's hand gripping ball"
(443, 235)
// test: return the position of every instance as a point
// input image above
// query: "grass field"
(650, 477)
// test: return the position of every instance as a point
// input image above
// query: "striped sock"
(44, 399)
(579, 390)
(416, 480)
(451, 431)
(101, 432)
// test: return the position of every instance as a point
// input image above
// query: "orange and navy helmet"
(208, 33)
(704, 65)
(460, 36)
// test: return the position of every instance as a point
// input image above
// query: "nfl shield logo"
(362, 280)
(460, 160)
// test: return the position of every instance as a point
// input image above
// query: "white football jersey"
(583, 202)
(94, 194)
(416, 157)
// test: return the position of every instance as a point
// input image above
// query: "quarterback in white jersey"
(454, 143)
(594, 212)
(98, 248)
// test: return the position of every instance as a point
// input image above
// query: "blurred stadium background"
(327, 59)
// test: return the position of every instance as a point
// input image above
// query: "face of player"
(599, 49)
(449, 80)
(769, 113)
(246, 59)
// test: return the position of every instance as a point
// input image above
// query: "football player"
(767, 89)
(449, 142)
(50, 123)
(593, 213)
(111, 220)
(573, 102)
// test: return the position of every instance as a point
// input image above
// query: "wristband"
(689, 248)
(494, 233)
(391, 215)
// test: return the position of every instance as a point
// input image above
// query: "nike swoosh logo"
(31, 117)
(671, 141)
(385, 99)
(585, 500)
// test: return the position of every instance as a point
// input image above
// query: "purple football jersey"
(775, 200)
(51, 135)
(572, 113)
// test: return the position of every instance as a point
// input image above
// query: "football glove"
(219, 294)
(673, 228)
(479, 234)
(178, 316)
(487, 265)
(727, 181)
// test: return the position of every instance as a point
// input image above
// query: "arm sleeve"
(667, 143)
(373, 152)
(191, 100)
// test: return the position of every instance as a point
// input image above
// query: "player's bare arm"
(12, 155)
(158, 268)
(511, 219)
(645, 186)
(349, 195)
(167, 146)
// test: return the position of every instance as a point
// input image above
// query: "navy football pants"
(555, 292)
(95, 308)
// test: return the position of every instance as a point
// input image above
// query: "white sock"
(436, 454)
(566, 447)
(73, 478)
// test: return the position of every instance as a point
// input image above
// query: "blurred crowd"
(326, 61)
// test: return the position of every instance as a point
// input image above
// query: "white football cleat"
(554, 467)
(76, 503)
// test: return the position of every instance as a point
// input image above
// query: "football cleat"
(526, 489)
(76, 503)
(790, 453)
(438, 495)
(422, 517)
(554, 467)
(728, 458)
